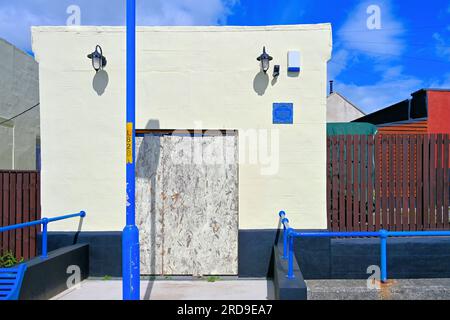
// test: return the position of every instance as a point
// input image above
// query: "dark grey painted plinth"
(408, 258)
(287, 289)
(45, 278)
(105, 249)
(255, 252)
(319, 258)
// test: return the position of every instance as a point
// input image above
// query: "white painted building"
(188, 78)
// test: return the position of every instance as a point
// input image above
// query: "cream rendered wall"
(187, 78)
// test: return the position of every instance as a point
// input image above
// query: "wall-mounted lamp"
(98, 60)
(265, 59)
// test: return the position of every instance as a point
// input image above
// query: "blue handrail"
(44, 222)
(289, 234)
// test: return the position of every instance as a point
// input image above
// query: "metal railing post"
(44, 254)
(291, 255)
(285, 223)
(383, 253)
(285, 240)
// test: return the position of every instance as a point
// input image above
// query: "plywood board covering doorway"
(187, 203)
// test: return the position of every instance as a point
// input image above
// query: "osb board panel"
(187, 204)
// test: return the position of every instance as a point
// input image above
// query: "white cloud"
(339, 63)
(395, 72)
(381, 51)
(392, 87)
(442, 41)
(355, 34)
(443, 82)
(382, 46)
(16, 17)
(442, 45)
(381, 94)
(185, 12)
(15, 25)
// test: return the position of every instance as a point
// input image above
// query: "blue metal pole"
(285, 239)
(291, 256)
(383, 253)
(44, 254)
(130, 236)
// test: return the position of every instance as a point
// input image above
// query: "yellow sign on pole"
(129, 142)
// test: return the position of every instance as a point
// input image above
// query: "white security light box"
(293, 61)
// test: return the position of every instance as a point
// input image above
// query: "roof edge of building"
(6, 42)
(348, 101)
(294, 27)
(430, 89)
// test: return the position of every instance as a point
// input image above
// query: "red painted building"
(428, 111)
(439, 111)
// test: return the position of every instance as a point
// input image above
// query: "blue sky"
(372, 68)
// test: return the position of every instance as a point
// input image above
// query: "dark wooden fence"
(395, 182)
(19, 202)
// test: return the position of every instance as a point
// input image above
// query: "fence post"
(383, 252)
(44, 238)
(285, 239)
(291, 255)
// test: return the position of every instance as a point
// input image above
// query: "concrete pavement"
(404, 289)
(173, 290)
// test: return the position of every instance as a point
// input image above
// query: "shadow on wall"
(100, 82)
(147, 163)
(77, 233)
(260, 83)
(274, 81)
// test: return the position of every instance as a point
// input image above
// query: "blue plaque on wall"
(283, 113)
